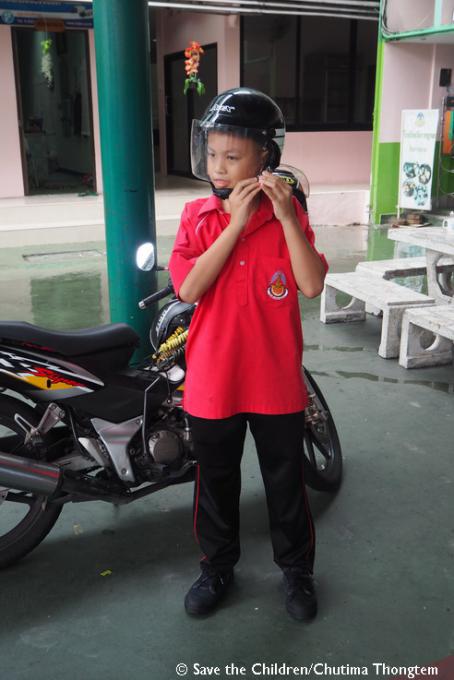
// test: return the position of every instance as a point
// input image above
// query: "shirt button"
(242, 262)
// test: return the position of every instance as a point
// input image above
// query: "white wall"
(11, 178)
(95, 108)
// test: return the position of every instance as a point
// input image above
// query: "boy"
(242, 254)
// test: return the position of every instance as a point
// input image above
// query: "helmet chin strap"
(225, 193)
(220, 193)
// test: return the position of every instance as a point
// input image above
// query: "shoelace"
(209, 575)
(298, 580)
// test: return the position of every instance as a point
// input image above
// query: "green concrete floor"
(385, 547)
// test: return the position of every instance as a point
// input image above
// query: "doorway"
(55, 111)
(181, 109)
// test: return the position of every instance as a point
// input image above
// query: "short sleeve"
(303, 219)
(185, 251)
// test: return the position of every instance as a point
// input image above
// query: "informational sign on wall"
(417, 151)
(28, 12)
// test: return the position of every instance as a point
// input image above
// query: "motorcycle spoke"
(322, 448)
(310, 449)
(321, 436)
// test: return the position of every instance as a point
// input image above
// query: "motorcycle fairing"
(44, 378)
(117, 396)
(116, 437)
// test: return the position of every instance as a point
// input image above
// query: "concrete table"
(437, 244)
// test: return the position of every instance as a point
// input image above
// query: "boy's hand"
(241, 201)
(280, 193)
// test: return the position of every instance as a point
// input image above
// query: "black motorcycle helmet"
(242, 112)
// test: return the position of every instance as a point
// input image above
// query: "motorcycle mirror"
(145, 257)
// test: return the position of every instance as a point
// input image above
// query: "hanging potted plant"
(191, 66)
(47, 67)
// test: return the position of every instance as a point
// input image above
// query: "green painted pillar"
(123, 73)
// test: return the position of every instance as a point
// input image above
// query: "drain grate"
(65, 255)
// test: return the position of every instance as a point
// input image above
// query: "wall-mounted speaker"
(445, 77)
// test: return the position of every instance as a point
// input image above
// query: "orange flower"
(191, 66)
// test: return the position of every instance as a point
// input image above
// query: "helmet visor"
(215, 149)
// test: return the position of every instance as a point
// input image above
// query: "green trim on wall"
(447, 180)
(384, 198)
(438, 13)
(423, 32)
(376, 129)
(386, 181)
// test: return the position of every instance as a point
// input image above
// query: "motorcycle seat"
(70, 343)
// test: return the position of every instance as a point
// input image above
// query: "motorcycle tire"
(31, 529)
(322, 450)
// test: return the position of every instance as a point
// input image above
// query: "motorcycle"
(80, 423)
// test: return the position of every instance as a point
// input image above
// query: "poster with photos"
(417, 150)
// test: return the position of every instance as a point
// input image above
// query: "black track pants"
(218, 449)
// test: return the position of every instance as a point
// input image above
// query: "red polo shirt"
(245, 344)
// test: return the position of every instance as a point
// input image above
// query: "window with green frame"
(320, 70)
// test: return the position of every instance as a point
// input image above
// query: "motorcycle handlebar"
(155, 297)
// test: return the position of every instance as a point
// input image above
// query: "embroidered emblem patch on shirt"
(278, 286)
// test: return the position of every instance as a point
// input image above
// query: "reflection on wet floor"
(65, 287)
(56, 301)
(432, 384)
(336, 348)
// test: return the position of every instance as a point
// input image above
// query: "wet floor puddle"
(448, 388)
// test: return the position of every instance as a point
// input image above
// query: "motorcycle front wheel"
(25, 518)
(322, 450)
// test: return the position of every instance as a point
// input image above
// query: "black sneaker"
(209, 589)
(301, 600)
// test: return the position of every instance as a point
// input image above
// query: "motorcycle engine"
(164, 455)
(165, 447)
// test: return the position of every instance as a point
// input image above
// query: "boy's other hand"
(241, 201)
(280, 193)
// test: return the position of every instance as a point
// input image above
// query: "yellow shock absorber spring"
(168, 348)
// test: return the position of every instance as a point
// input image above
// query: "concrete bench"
(439, 321)
(403, 266)
(387, 296)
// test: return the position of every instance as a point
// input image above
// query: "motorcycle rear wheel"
(25, 518)
(322, 450)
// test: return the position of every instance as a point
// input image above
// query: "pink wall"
(11, 179)
(405, 65)
(443, 58)
(447, 12)
(330, 157)
(408, 75)
(95, 107)
(175, 29)
(410, 15)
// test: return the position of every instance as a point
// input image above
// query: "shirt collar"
(211, 203)
(263, 214)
